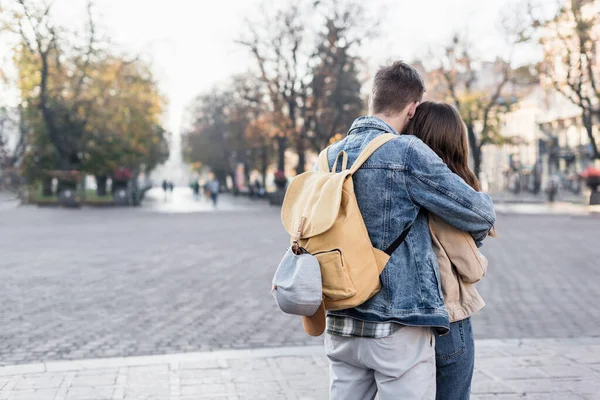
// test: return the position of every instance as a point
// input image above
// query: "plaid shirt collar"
(350, 327)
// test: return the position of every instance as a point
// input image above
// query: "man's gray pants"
(399, 366)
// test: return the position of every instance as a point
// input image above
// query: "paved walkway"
(119, 282)
(8, 200)
(182, 200)
(558, 208)
(540, 198)
(542, 369)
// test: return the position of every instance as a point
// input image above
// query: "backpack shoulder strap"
(400, 239)
(324, 161)
(370, 149)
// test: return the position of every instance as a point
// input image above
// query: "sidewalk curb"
(172, 359)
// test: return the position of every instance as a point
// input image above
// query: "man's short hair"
(394, 87)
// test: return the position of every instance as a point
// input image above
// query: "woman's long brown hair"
(440, 127)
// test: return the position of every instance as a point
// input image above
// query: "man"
(165, 186)
(214, 188)
(386, 345)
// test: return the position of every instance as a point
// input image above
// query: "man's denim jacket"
(394, 184)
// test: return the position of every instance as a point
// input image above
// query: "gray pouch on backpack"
(297, 287)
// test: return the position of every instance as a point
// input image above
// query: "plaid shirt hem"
(350, 327)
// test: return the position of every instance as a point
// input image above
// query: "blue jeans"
(455, 361)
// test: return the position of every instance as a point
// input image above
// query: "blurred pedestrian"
(165, 186)
(196, 189)
(205, 191)
(214, 187)
(552, 188)
(258, 188)
(171, 186)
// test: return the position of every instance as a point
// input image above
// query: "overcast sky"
(191, 42)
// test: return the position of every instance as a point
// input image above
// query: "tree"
(279, 47)
(260, 131)
(311, 75)
(483, 93)
(209, 139)
(571, 43)
(334, 97)
(82, 106)
(228, 125)
(123, 130)
(54, 76)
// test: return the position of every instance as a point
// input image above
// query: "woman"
(460, 263)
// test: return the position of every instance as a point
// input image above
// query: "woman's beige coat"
(461, 265)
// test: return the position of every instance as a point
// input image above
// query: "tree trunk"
(300, 149)
(475, 149)
(47, 187)
(264, 165)
(234, 188)
(477, 163)
(101, 185)
(587, 122)
(48, 116)
(281, 145)
(247, 177)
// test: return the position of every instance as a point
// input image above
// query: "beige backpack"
(321, 214)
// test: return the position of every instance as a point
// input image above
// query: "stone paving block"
(312, 385)
(530, 386)
(570, 371)
(516, 373)
(479, 374)
(149, 391)
(589, 355)
(245, 376)
(39, 381)
(206, 389)
(98, 380)
(203, 376)
(249, 364)
(295, 365)
(491, 387)
(137, 381)
(43, 394)
(88, 393)
(523, 361)
(584, 386)
(271, 387)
